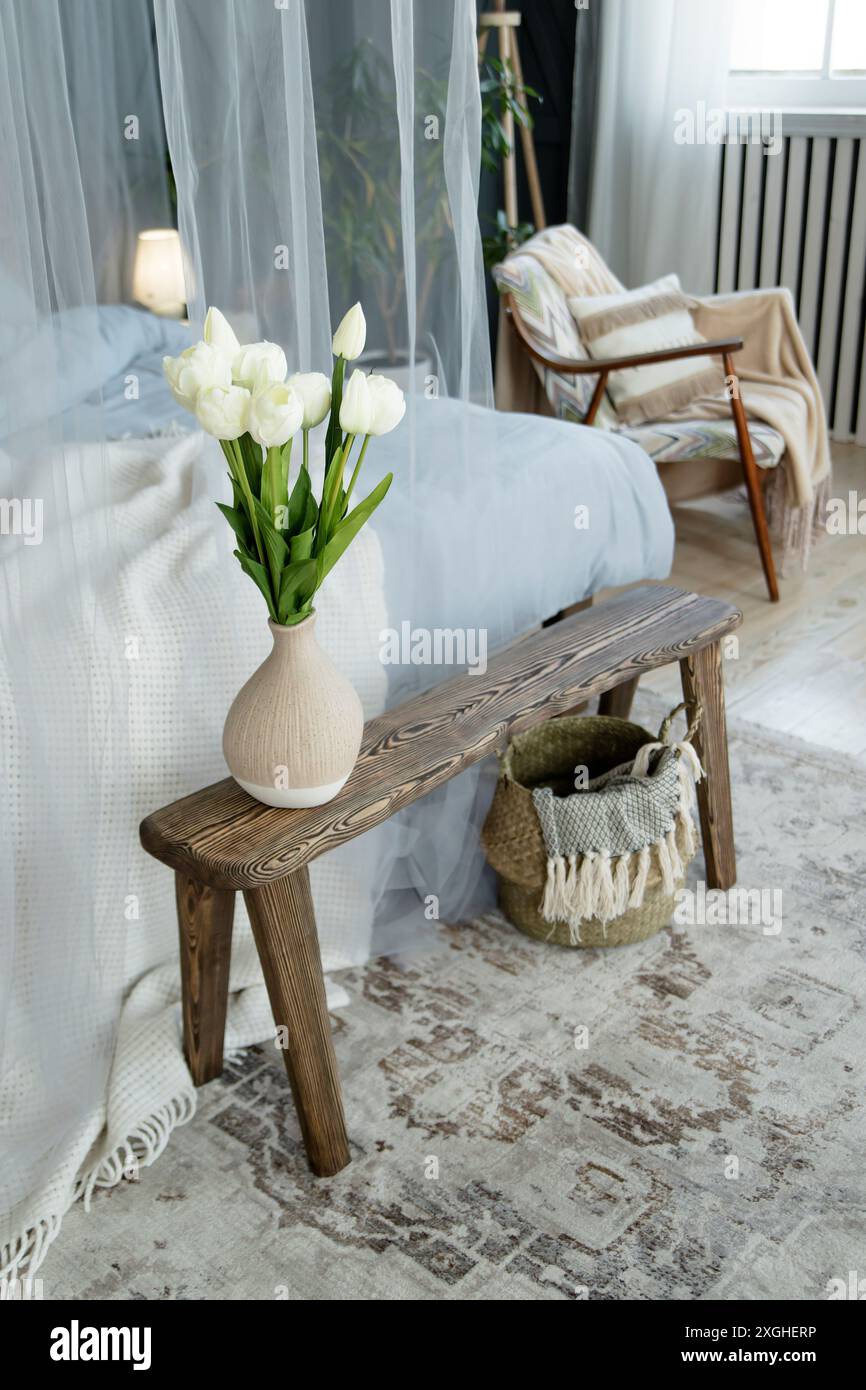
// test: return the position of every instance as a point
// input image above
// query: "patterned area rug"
(679, 1119)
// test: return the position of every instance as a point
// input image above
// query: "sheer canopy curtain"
(329, 152)
(323, 152)
(67, 218)
(653, 201)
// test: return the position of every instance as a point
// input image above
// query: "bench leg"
(618, 701)
(703, 685)
(204, 917)
(284, 926)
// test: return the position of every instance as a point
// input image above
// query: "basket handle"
(693, 726)
(684, 748)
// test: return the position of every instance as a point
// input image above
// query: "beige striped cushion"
(648, 319)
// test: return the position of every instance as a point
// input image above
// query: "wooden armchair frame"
(602, 367)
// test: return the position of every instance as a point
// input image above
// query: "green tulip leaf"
(301, 545)
(276, 549)
(349, 527)
(239, 523)
(299, 503)
(334, 437)
(297, 586)
(259, 576)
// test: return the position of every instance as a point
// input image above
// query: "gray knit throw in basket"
(602, 850)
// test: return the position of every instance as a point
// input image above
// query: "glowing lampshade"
(157, 277)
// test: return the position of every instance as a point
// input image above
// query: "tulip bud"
(219, 332)
(276, 413)
(356, 407)
(314, 389)
(389, 404)
(194, 370)
(350, 337)
(223, 411)
(259, 364)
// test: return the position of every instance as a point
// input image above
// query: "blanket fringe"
(594, 885)
(794, 528)
(20, 1258)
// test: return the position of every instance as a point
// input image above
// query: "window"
(798, 53)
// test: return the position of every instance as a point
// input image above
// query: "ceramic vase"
(293, 733)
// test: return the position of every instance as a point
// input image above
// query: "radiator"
(798, 218)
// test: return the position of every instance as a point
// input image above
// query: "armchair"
(601, 369)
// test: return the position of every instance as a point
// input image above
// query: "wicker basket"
(512, 836)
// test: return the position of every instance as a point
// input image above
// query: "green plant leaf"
(334, 437)
(237, 495)
(252, 457)
(327, 511)
(275, 545)
(237, 520)
(349, 527)
(273, 494)
(259, 575)
(298, 502)
(311, 515)
(285, 461)
(297, 587)
(301, 545)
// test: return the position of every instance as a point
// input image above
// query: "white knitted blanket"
(195, 629)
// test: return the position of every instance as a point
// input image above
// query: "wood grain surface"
(220, 836)
(703, 685)
(204, 917)
(284, 927)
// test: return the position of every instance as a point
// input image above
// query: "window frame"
(803, 89)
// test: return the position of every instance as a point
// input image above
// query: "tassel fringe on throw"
(597, 885)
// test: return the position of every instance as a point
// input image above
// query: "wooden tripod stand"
(507, 22)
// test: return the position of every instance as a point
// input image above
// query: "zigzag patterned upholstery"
(546, 316)
(673, 440)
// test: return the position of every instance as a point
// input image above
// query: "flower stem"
(243, 482)
(354, 477)
(275, 470)
(337, 484)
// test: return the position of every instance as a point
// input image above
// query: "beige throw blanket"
(779, 383)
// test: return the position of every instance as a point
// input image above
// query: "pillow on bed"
(648, 319)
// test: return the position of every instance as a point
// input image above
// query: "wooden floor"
(801, 664)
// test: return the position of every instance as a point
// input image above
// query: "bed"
(555, 513)
(493, 523)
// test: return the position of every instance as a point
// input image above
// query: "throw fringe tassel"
(794, 528)
(639, 886)
(673, 852)
(594, 885)
(585, 901)
(620, 884)
(604, 891)
(665, 866)
(21, 1258)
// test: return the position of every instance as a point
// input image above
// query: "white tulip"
(314, 389)
(219, 332)
(195, 370)
(223, 411)
(350, 337)
(258, 364)
(276, 413)
(356, 407)
(389, 404)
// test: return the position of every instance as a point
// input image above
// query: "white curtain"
(335, 158)
(322, 152)
(654, 201)
(63, 730)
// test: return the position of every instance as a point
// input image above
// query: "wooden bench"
(219, 840)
